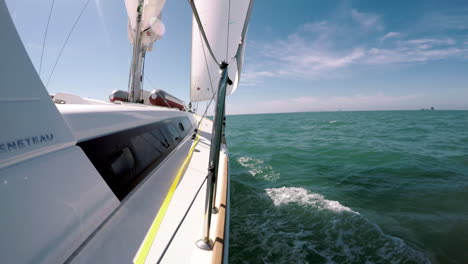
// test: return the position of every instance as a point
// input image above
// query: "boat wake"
(304, 227)
(258, 169)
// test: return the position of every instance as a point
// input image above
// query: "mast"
(134, 93)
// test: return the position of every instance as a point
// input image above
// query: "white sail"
(151, 25)
(223, 23)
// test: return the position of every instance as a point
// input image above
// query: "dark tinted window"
(125, 158)
(186, 123)
(175, 131)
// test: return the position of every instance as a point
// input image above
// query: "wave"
(258, 169)
(302, 196)
(304, 227)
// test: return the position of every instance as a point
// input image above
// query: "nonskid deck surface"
(191, 188)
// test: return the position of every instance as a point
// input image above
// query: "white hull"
(134, 232)
(70, 193)
(91, 223)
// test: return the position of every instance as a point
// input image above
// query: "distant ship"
(431, 109)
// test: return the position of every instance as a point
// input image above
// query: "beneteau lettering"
(25, 142)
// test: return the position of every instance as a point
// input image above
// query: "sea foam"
(302, 196)
(322, 229)
(258, 169)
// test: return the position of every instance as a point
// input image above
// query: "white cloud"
(433, 41)
(302, 58)
(368, 21)
(408, 54)
(299, 57)
(391, 35)
(326, 49)
(253, 78)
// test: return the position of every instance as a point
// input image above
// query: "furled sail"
(151, 25)
(225, 26)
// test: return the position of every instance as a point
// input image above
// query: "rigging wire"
(45, 36)
(207, 68)
(128, 84)
(227, 37)
(196, 107)
(142, 84)
(209, 77)
(206, 109)
(66, 41)
(202, 31)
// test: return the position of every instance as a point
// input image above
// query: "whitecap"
(258, 169)
(302, 196)
(329, 229)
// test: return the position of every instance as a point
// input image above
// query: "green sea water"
(349, 187)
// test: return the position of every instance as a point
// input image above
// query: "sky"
(301, 55)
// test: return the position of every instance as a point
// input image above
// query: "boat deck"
(150, 225)
(180, 247)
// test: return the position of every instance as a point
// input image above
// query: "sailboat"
(86, 181)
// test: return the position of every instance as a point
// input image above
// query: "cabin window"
(175, 131)
(123, 163)
(186, 123)
(125, 158)
(161, 139)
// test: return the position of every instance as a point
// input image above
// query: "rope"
(66, 41)
(45, 35)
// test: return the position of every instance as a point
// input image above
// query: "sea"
(349, 187)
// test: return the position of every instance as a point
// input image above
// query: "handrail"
(222, 225)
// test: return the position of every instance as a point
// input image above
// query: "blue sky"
(301, 55)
